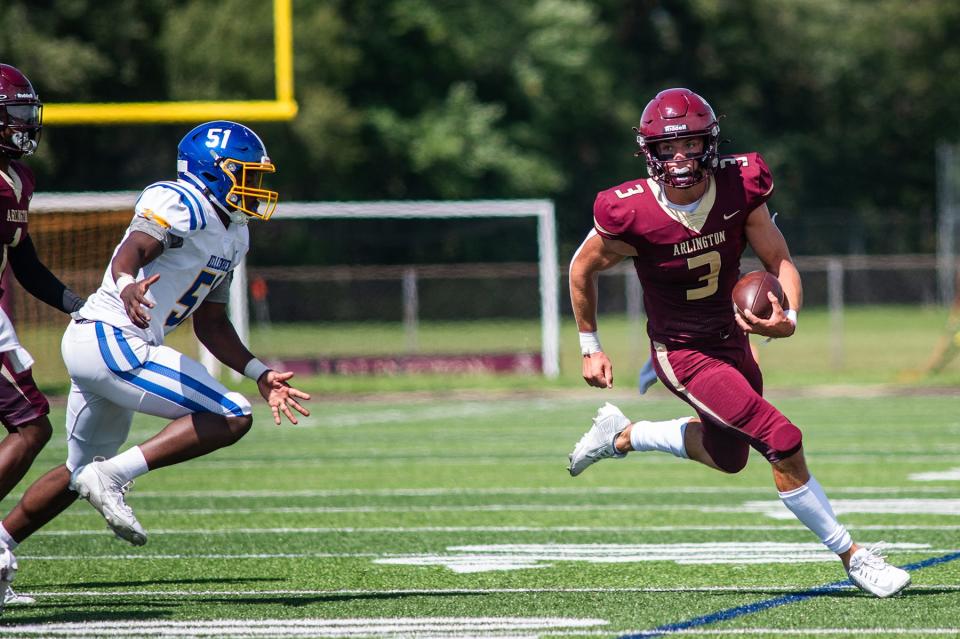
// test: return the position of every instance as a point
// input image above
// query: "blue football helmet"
(227, 161)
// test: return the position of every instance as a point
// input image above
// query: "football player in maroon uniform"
(685, 228)
(23, 408)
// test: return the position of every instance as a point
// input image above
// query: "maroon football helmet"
(676, 114)
(21, 114)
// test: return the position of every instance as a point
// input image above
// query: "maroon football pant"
(723, 384)
(21, 402)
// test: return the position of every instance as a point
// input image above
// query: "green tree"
(439, 99)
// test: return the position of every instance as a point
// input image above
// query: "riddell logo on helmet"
(674, 127)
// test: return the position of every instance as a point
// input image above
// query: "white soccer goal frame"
(548, 266)
(542, 210)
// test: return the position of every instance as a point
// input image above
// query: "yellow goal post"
(283, 107)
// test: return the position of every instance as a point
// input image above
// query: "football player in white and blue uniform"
(175, 261)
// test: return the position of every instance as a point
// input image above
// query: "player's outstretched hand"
(135, 300)
(777, 325)
(598, 370)
(281, 396)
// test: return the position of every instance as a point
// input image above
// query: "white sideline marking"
(403, 627)
(487, 508)
(265, 555)
(484, 558)
(600, 490)
(113, 594)
(946, 475)
(433, 411)
(531, 554)
(777, 510)
(869, 459)
(774, 509)
(310, 530)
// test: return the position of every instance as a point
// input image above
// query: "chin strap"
(239, 217)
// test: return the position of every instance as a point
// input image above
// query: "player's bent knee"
(784, 442)
(239, 426)
(36, 434)
(733, 464)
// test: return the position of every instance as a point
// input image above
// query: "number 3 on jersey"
(189, 299)
(710, 279)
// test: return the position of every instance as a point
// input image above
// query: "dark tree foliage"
(434, 99)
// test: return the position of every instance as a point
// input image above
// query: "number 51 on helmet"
(227, 162)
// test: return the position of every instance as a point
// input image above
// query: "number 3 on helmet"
(227, 161)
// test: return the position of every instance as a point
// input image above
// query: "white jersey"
(199, 253)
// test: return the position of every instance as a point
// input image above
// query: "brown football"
(750, 293)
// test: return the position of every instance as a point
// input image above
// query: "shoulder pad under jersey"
(173, 206)
(615, 208)
(753, 174)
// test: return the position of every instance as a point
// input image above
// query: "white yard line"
(944, 475)
(485, 508)
(500, 557)
(357, 627)
(394, 459)
(413, 627)
(769, 508)
(434, 412)
(595, 490)
(416, 530)
(778, 588)
(497, 554)
(906, 506)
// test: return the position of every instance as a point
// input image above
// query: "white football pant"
(114, 374)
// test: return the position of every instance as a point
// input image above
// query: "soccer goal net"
(347, 287)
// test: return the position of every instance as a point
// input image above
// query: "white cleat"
(106, 495)
(10, 598)
(597, 443)
(8, 570)
(872, 574)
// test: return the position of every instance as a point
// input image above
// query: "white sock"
(6, 539)
(128, 465)
(667, 437)
(809, 503)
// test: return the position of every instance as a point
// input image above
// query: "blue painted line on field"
(748, 609)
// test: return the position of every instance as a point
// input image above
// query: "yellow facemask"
(247, 193)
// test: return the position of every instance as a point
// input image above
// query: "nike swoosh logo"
(727, 217)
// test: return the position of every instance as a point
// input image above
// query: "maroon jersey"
(14, 202)
(687, 263)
